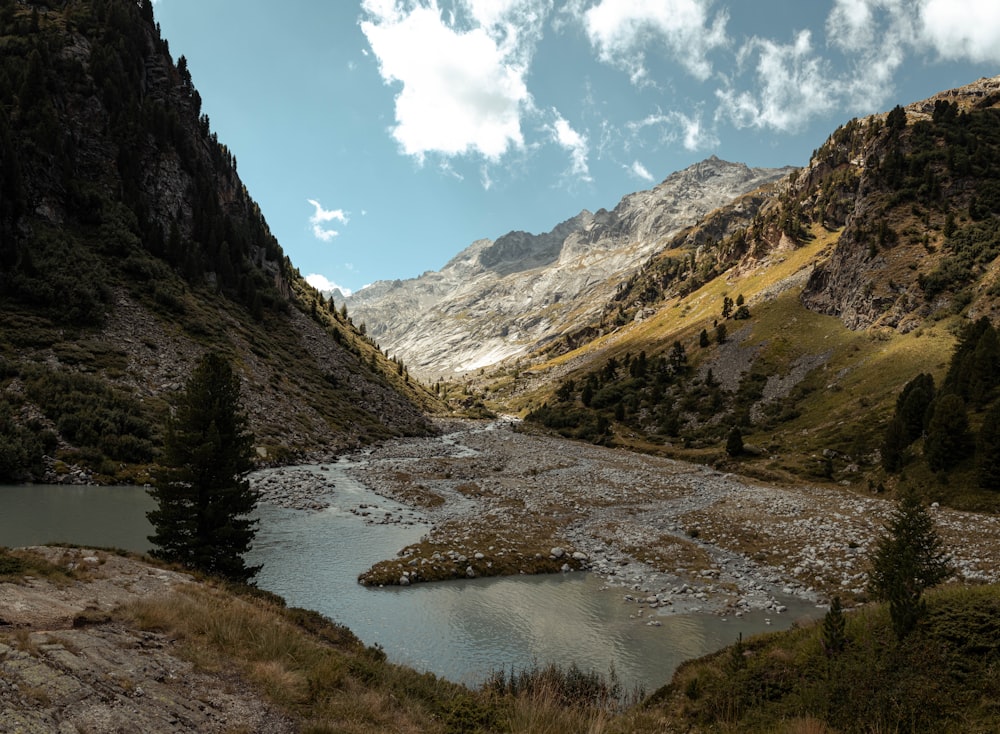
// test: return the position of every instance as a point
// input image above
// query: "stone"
(557, 552)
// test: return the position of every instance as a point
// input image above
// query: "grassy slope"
(945, 677)
(837, 409)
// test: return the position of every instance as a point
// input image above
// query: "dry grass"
(541, 713)
(342, 687)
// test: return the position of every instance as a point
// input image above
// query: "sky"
(382, 137)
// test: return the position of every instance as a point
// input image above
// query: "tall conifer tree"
(905, 561)
(204, 500)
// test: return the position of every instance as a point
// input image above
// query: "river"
(461, 630)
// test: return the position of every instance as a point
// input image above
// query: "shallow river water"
(461, 630)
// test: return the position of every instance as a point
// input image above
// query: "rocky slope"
(498, 299)
(129, 246)
(855, 275)
(66, 665)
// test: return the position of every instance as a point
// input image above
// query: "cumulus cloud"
(640, 171)
(325, 285)
(321, 218)
(795, 85)
(575, 143)
(623, 31)
(462, 77)
(794, 82)
(962, 29)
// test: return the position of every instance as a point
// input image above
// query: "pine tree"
(203, 498)
(912, 406)
(947, 441)
(905, 561)
(894, 445)
(834, 630)
(734, 443)
(988, 450)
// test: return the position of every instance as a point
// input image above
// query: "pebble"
(617, 508)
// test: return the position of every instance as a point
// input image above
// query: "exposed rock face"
(870, 279)
(502, 298)
(67, 665)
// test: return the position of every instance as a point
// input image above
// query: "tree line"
(936, 418)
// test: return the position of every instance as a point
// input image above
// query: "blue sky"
(382, 137)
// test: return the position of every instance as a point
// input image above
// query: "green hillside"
(800, 327)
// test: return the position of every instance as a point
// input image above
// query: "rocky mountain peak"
(501, 298)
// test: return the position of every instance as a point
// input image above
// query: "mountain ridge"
(498, 299)
(129, 246)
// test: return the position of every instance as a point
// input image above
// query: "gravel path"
(671, 535)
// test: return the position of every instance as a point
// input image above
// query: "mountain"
(502, 298)
(129, 246)
(792, 320)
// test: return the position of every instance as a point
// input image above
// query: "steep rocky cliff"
(129, 246)
(910, 195)
(503, 298)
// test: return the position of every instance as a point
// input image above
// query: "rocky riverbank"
(69, 664)
(669, 535)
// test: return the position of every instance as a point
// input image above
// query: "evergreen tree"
(678, 358)
(896, 119)
(988, 450)
(834, 630)
(912, 406)
(947, 441)
(734, 443)
(985, 368)
(905, 561)
(894, 445)
(962, 370)
(203, 498)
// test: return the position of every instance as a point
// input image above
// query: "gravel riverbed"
(669, 535)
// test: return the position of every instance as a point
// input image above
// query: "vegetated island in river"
(674, 536)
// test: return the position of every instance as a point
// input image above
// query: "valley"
(706, 401)
(673, 536)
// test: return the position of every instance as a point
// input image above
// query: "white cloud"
(324, 285)
(623, 30)
(322, 217)
(677, 126)
(694, 134)
(640, 171)
(962, 29)
(575, 143)
(462, 79)
(795, 85)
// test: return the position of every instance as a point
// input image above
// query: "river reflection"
(461, 630)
